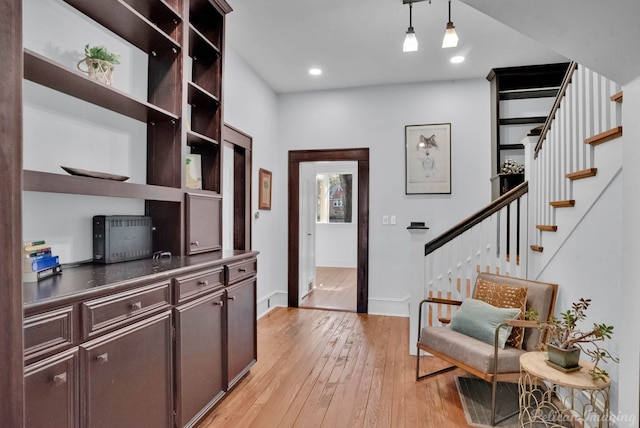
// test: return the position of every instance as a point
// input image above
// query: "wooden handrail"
(556, 105)
(476, 218)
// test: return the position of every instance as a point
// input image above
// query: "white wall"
(375, 117)
(251, 106)
(595, 243)
(627, 327)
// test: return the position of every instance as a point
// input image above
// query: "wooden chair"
(487, 361)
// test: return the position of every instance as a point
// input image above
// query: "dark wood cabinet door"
(51, 392)
(241, 329)
(199, 357)
(127, 376)
(204, 217)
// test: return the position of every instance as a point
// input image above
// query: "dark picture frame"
(264, 192)
(428, 159)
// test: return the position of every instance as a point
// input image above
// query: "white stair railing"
(492, 240)
(583, 111)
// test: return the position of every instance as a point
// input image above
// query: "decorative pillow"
(479, 319)
(504, 296)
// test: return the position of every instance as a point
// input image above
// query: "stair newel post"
(417, 279)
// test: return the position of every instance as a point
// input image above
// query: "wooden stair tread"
(605, 136)
(585, 173)
(547, 227)
(537, 248)
(617, 97)
(563, 204)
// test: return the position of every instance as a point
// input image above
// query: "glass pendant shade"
(450, 39)
(410, 41)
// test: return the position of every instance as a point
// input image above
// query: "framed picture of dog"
(428, 159)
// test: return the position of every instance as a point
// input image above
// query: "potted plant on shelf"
(99, 62)
(565, 340)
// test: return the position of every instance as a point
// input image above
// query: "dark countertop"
(94, 279)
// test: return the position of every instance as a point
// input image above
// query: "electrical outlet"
(385, 219)
(393, 219)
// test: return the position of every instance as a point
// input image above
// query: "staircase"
(568, 168)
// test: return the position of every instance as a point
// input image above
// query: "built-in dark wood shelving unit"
(45, 72)
(37, 181)
(190, 319)
(121, 18)
(510, 87)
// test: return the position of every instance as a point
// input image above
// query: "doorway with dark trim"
(361, 156)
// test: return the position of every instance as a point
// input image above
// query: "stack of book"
(38, 262)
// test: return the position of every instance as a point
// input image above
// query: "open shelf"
(202, 98)
(522, 120)
(43, 71)
(196, 139)
(207, 17)
(201, 47)
(36, 181)
(130, 24)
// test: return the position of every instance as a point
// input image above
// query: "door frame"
(327, 155)
(242, 145)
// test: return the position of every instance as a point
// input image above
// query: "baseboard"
(389, 307)
(267, 303)
(377, 306)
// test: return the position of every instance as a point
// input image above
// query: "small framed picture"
(193, 170)
(427, 158)
(264, 194)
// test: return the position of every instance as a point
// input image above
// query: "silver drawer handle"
(205, 282)
(103, 358)
(195, 244)
(60, 379)
(231, 297)
(135, 306)
(242, 269)
(219, 303)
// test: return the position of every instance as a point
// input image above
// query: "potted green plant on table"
(565, 340)
(100, 63)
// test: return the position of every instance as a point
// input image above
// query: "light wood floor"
(336, 288)
(337, 369)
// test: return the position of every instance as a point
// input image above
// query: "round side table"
(553, 398)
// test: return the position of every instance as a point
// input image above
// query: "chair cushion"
(504, 296)
(479, 319)
(470, 351)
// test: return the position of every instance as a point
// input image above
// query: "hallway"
(335, 289)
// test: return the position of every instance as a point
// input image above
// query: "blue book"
(44, 263)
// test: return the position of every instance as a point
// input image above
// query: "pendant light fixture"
(410, 41)
(450, 39)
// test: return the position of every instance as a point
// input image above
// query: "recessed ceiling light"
(315, 71)
(457, 59)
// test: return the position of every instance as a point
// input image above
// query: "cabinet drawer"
(193, 285)
(241, 270)
(48, 332)
(111, 311)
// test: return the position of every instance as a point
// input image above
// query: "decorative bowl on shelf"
(94, 174)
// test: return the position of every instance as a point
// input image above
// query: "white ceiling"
(359, 42)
